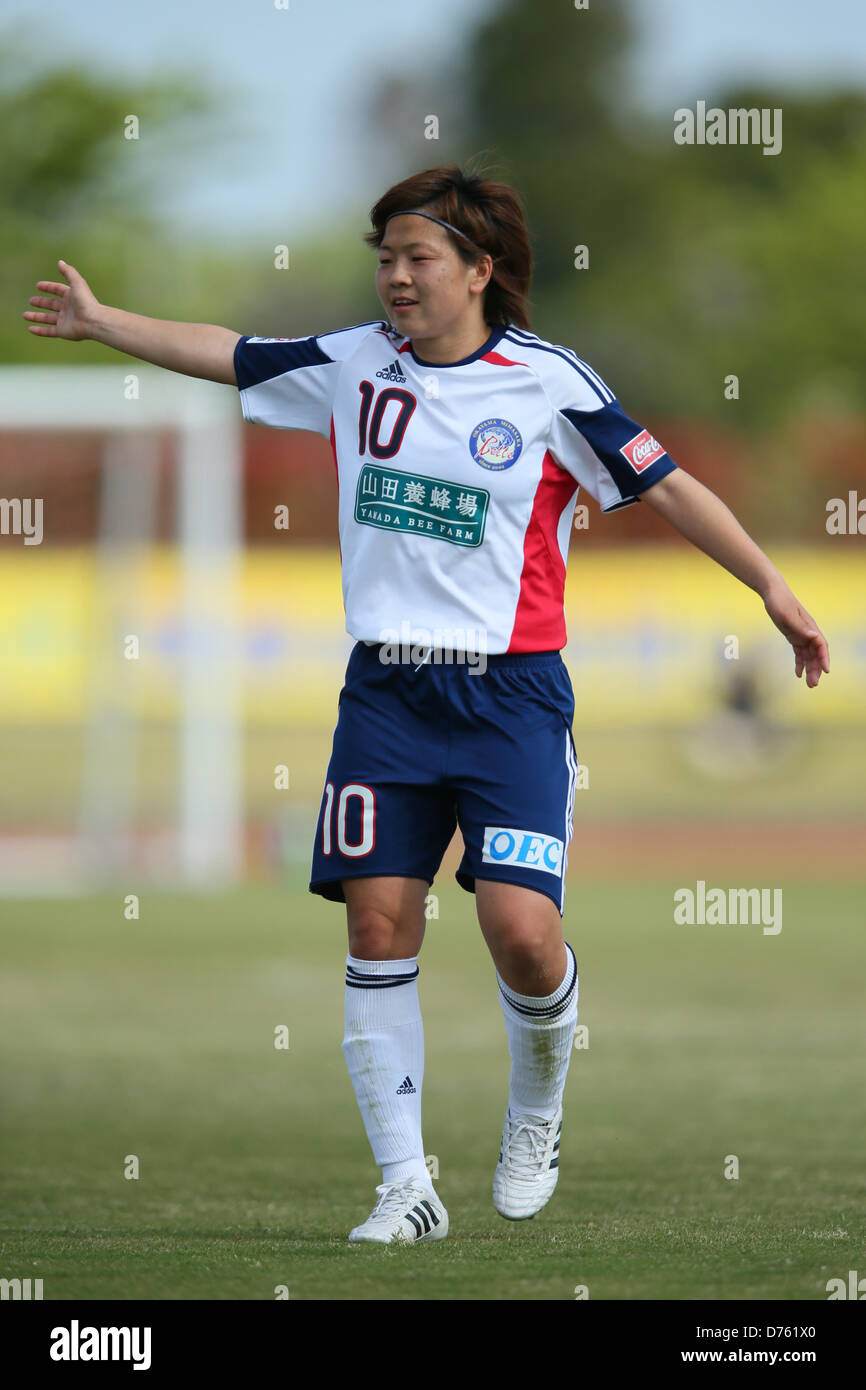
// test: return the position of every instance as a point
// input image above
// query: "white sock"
(384, 1050)
(540, 1037)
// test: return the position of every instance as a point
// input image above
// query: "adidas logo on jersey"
(392, 372)
(406, 1088)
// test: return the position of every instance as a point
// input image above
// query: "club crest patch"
(495, 444)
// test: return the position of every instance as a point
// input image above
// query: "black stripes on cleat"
(433, 1217)
(422, 1215)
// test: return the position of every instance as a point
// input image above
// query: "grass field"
(645, 767)
(154, 1038)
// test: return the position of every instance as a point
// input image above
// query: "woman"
(460, 439)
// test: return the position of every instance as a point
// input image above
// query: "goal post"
(205, 417)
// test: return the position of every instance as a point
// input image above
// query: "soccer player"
(460, 439)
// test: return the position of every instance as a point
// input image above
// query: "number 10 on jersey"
(367, 798)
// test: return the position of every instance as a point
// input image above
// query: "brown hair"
(491, 215)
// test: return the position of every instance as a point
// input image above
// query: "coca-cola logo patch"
(642, 451)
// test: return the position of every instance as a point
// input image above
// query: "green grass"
(155, 1038)
(641, 772)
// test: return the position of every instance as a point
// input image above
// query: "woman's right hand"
(72, 311)
(69, 313)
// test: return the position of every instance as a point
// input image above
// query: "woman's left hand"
(811, 653)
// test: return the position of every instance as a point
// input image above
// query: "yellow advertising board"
(657, 635)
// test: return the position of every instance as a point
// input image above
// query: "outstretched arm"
(72, 311)
(702, 517)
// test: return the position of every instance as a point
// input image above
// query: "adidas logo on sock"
(392, 372)
(406, 1088)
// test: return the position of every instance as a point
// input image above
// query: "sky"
(294, 79)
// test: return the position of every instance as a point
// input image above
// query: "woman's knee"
(525, 943)
(385, 917)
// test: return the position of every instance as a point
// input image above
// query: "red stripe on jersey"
(539, 620)
(337, 471)
(499, 361)
(496, 358)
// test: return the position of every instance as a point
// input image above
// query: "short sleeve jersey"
(457, 482)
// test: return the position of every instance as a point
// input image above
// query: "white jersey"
(458, 481)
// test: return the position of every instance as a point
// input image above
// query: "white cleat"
(528, 1166)
(406, 1213)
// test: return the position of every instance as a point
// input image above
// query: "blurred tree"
(704, 261)
(76, 187)
(542, 80)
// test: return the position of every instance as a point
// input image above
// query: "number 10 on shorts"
(367, 798)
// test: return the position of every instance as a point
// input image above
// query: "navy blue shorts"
(421, 749)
